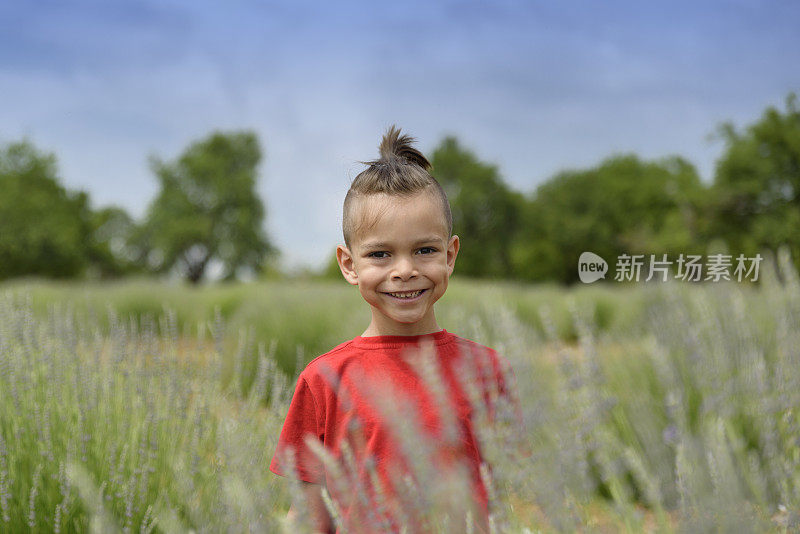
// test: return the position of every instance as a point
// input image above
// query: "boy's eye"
(427, 250)
(378, 254)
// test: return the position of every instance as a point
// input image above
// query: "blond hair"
(401, 170)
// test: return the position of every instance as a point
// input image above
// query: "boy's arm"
(319, 517)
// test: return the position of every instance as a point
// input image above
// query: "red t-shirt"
(354, 396)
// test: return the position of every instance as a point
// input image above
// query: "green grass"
(140, 406)
(315, 316)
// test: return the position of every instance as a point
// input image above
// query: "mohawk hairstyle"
(401, 170)
(395, 147)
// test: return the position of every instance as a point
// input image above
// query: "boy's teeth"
(406, 295)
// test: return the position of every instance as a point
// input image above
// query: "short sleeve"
(303, 419)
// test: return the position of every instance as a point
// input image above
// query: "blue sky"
(535, 87)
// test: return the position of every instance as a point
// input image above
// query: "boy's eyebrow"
(381, 245)
(375, 245)
(428, 239)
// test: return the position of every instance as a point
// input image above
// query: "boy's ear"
(346, 264)
(452, 252)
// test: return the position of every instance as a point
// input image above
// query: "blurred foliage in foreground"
(670, 409)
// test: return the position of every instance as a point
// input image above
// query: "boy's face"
(401, 263)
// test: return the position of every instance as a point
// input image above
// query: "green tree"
(624, 205)
(208, 209)
(485, 210)
(42, 225)
(111, 250)
(756, 200)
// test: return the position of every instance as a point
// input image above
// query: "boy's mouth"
(406, 295)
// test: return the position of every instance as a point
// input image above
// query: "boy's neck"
(380, 326)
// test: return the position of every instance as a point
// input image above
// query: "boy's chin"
(410, 324)
(403, 322)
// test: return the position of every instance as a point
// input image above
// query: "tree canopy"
(43, 225)
(756, 190)
(624, 205)
(208, 209)
(111, 253)
(485, 210)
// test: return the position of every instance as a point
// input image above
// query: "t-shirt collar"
(438, 338)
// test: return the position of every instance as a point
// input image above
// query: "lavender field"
(657, 408)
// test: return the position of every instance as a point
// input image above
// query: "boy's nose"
(404, 269)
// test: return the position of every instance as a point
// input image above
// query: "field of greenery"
(145, 407)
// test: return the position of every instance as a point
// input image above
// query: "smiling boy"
(400, 252)
(401, 261)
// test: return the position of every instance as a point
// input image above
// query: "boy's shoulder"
(484, 356)
(327, 362)
(473, 345)
(340, 351)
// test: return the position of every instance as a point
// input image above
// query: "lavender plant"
(128, 431)
(682, 418)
